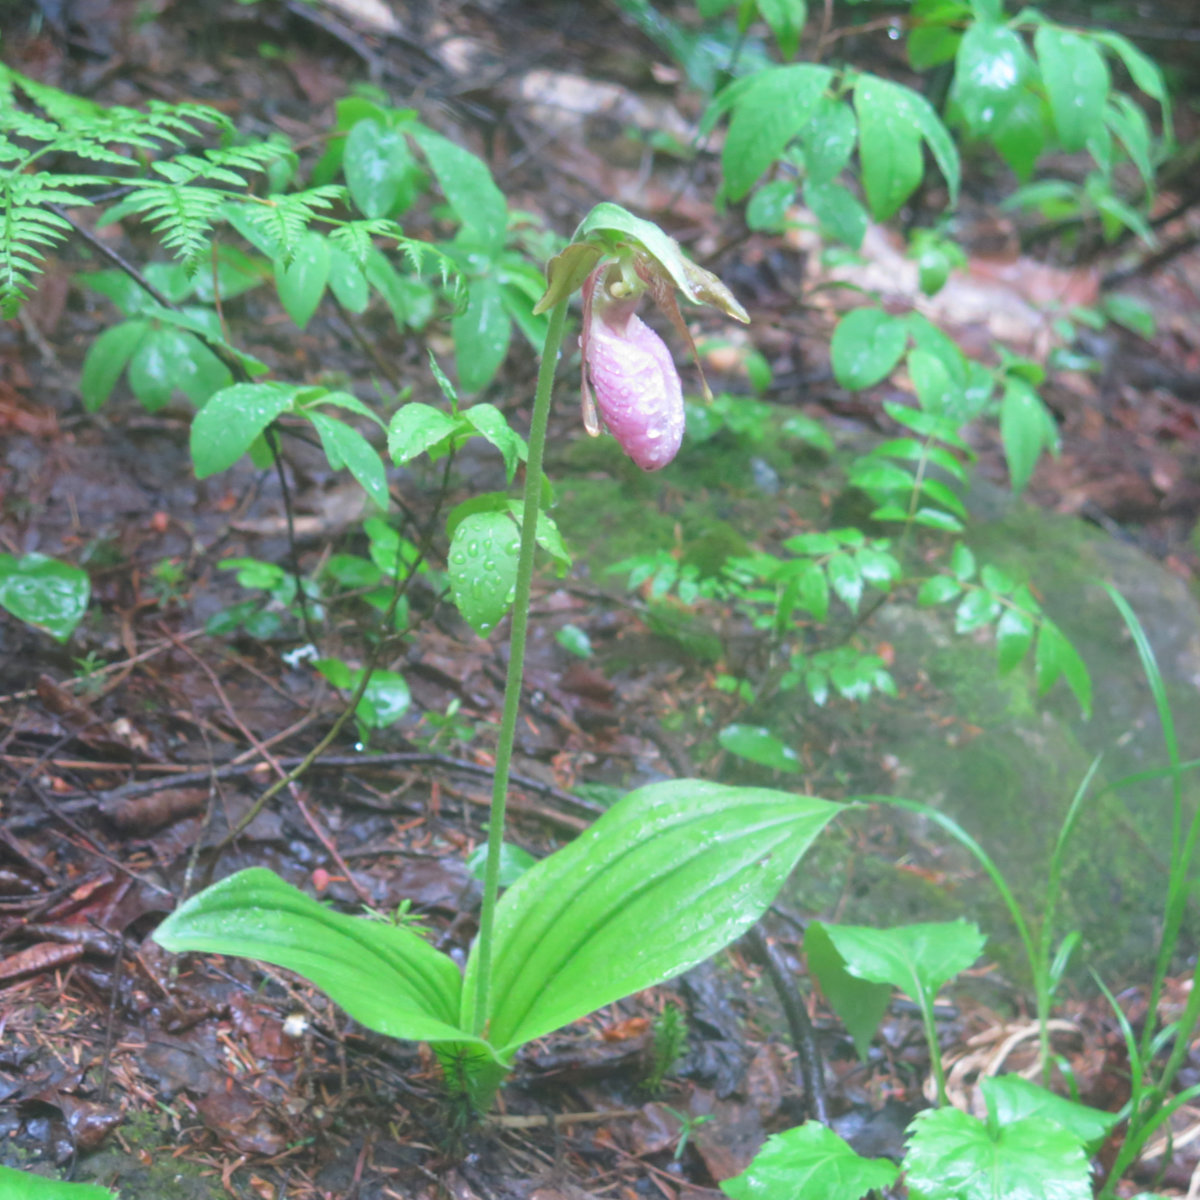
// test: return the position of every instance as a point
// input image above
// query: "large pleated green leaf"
(668, 876)
(385, 976)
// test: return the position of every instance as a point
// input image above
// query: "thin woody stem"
(516, 661)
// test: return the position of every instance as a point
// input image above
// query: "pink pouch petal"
(637, 390)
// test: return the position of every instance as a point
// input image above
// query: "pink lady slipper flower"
(633, 379)
(628, 372)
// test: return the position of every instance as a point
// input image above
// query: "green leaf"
(938, 589)
(962, 562)
(1076, 79)
(514, 862)
(757, 744)
(347, 281)
(838, 211)
(768, 207)
(889, 147)
(224, 428)
(860, 1005)
(385, 976)
(934, 387)
(1056, 656)
(44, 592)
(933, 38)
(1020, 135)
(977, 609)
(490, 423)
(1129, 123)
(916, 959)
(346, 447)
(574, 641)
(301, 283)
(1025, 427)
(828, 140)
(665, 878)
(385, 699)
(785, 18)
(866, 346)
(1011, 1098)
(1143, 70)
(769, 113)
(1129, 311)
(106, 359)
(1014, 636)
(810, 1161)
(845, 577)
(23, 1185)
(380, 169)
(468, 187)
(200, 373)
(954, 1156)
(416, 428)
(483, 568)
(892, 120)
(812, 591)
(481, 334)
(990, 71)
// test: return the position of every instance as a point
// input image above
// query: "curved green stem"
(516, 657)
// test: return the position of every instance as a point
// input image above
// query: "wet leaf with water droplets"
(483, 568)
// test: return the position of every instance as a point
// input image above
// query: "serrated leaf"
(1011, 1098)
(481, 334)
(861, 1005)
(106, 359)
(482, 565)
(770, 111)
(385, 976)
(301, 283)
(810, 1161)
(1076, 79)
(670, 874)
(757, 744)
(233, 418)
(866, 346)
(954, 1156)
(416, 428)
(346, 447)
(44, 593)
(916, 959)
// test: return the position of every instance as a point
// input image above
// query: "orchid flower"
(628, 372)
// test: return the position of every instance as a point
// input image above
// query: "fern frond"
(26, 232)
(182, 216)
(285, 219)
(355, 236)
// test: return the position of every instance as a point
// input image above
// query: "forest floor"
(131, 753)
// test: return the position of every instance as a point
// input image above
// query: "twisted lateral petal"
(636, 386)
